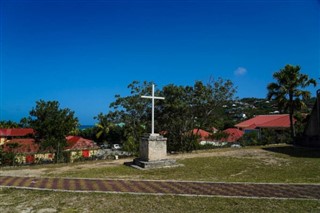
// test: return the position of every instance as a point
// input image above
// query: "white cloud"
(240, 71)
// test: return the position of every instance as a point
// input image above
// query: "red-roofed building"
(234, 135)
(204, 135)
(8, 134)
(26, 150)
(16, 132)
(80, 147)
(265, 121)
(23, 145)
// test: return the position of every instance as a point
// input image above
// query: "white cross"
(153, 98)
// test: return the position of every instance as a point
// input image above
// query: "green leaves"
(287, 90)
(52, 124)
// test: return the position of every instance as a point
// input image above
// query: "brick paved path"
(305, 191)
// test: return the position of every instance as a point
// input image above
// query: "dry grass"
(46, 201)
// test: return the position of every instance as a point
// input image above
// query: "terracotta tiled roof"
(202, 133)
(25, 145)
(234, 135)
(16, 132)
(79, 143)
(266, 121)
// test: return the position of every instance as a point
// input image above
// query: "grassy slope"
(33, 201)
(281, 164)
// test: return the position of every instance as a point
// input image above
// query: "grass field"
(45, 201)
(272, 164)
(283, 164)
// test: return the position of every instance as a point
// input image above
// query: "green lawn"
(38, 201)
(273, 164)
(283, 164)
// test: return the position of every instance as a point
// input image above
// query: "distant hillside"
(249, 107)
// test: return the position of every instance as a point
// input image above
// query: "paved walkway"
(300, 191)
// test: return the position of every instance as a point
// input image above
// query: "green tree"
(175, 117)
(103, 126)
(208, 102)
(52, 124)
(287, 91)
(184, 108)
(8, 124)
(134, 111)
(193, 107)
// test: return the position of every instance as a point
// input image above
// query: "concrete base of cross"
(153, 153)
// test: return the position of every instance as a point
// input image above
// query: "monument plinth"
(153, 153)
(153, 147)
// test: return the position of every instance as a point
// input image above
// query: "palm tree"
(287, 91)
(103, 126)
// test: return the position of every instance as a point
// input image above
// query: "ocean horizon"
(82, 127)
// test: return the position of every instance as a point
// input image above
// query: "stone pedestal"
(153, 147)
(153, 153)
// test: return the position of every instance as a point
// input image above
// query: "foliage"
(265, 137)
(87, 133)
(130, 145)
(219, 135)
(52, 125)
(134, 111)
(8, 124)
(249, 139)
(287, 91)
(271, 136)
(184, 108)
(187, 108)
(9, 157)
(102, 128)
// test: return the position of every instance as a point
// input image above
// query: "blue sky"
(82, 53)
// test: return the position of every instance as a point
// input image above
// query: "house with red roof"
(27, 151)
(203, 135)
(16, 140)
(234, 135)
(80, 147)
(208, 138)
(279, 122)
(8, 134)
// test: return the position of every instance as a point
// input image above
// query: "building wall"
(2, 140)
(40, 157)
(76, 154)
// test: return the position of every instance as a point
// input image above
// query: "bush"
(265, 137)
(249, 139)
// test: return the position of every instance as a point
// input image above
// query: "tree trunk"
(291, 109)
(292, 129)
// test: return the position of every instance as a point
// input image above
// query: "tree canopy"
(288, 91)
(184, 108)
(52, 124)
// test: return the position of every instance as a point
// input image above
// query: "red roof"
(202, 133)
(266, 121)
(214, 129)
(234, 135)
(16, 132)
(25, 145)
(79, 143)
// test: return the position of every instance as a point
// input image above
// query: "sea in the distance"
(82, 127)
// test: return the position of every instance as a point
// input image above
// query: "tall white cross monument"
(153, 98)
